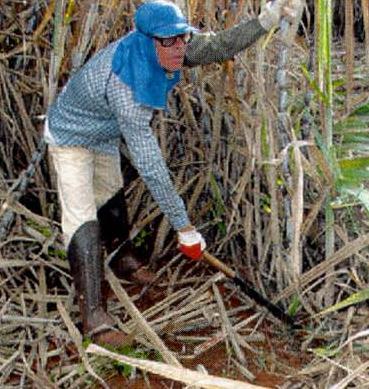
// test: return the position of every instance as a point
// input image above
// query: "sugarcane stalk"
(365, 8)
(292, 201)
(283, 133)
(18, 189)
(324, 80)
(61, 19)
(350, 49)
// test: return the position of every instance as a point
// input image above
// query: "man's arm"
(209, 47)
(134, 123)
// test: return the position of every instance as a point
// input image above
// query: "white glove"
(191, 243)
(273, 11)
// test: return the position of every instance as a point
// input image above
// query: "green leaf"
(355, 298)
(362, 110)
(351, 178)
(338, 83)
(360, 194)
(328, 351)
(265, 144)
(219, 203)
(61, 254)
(294, 306)
(130, 351)
(353, 172)
(313, 85)
(69, 12)
(362, 148)
(86, 342)
(350, 123)
(329, 154)
(358, 119)
(45, 231)
(357, 137)
(141, 240)
(354, 163)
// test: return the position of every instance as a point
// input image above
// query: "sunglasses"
(172, 40)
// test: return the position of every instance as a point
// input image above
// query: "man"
(112, 97)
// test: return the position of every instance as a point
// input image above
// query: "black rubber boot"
(84, 255)
(113, 219)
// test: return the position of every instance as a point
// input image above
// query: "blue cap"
(162, 19)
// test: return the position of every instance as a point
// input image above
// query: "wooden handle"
(211, 260)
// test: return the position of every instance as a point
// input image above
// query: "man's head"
(171, 51)
(164, 22)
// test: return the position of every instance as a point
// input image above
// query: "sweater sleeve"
(206, 48)
(134, 123)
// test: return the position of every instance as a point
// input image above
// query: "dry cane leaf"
(180, 374)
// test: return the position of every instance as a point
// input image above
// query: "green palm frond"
(356, 122)
(352, 151)
(355, 142)
(353, 172)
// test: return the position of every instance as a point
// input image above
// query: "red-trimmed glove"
(191, 244)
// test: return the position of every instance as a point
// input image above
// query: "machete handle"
(211, 260)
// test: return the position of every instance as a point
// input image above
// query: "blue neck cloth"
(136, 64)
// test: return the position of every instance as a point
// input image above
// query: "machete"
(247, 288)
(243, 284)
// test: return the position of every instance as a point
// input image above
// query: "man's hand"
(273, 11)
(191, 243)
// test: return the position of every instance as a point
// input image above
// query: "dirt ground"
(270, 361)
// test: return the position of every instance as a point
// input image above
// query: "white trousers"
(86, 180)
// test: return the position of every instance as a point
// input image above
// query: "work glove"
(273, 11)
(191, 244)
